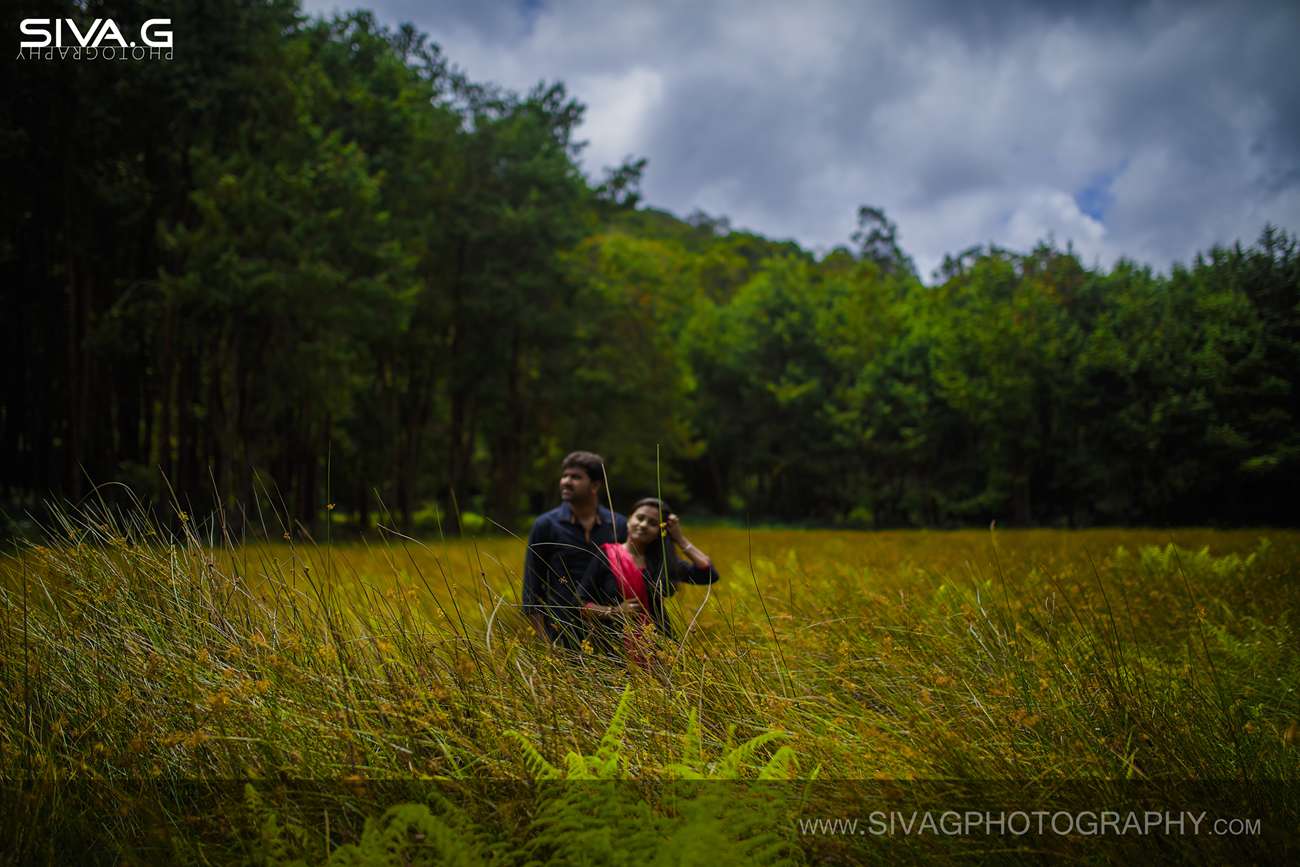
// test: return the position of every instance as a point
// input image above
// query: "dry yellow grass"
(1024, 655)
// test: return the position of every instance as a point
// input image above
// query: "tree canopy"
(316, 266)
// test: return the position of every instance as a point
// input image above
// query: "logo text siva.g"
(49, 35)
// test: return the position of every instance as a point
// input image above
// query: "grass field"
(134, 663)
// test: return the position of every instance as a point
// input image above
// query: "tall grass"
(132, 654)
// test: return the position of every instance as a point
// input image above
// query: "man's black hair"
(589, 462)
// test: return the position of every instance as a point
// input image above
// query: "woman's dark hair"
(659, 504)
(655, 554)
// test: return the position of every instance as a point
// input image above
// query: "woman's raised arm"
(698, 569)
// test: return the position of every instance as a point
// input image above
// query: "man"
(562, 544)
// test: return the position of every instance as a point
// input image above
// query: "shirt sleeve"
(534, 591)
(686, 572)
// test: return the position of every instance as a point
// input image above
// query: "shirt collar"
(566, 511)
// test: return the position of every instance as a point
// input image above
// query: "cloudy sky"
(1143, 129)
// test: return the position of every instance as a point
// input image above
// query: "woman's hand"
(628, 609)
(674, 528)
(625, 610)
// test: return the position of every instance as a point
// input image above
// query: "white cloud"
(968, 123)
(619, 108)
(1053, 213)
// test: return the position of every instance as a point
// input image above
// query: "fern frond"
(679, 771)
(612, 740)
(537, 764)
(692, 748)
(782, 766)
(576, 767)
(744, 754)
(409, 835)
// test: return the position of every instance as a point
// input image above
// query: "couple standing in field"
(591, 575)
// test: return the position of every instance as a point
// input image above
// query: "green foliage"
(1198, 567)
(635, 294)
(274, 843)
(588, 813)
(537, 764)
(592, 813)
(309, 264)
(407, 835)
(608, 762)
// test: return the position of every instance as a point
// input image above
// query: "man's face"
(576, 486)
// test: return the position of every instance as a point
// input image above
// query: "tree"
(877, 240)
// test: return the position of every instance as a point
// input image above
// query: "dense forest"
(310, 264)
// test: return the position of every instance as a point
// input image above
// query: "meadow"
(198, 681)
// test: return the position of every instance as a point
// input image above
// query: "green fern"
(609, 752)
(408, 835)
(742, 756)
(537, 764)
(593, 815)
(607, 764)
(274, 843)
(692, 742)
(1199, 567)
(576, 768)
(586, 811)
(783, 765)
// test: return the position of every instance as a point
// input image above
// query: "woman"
(623, 590)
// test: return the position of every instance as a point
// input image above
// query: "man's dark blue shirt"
(559, 551)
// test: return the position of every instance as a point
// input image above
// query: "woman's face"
(643, 525)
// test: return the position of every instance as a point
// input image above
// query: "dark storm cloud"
(1150, 130)
(497, 21)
